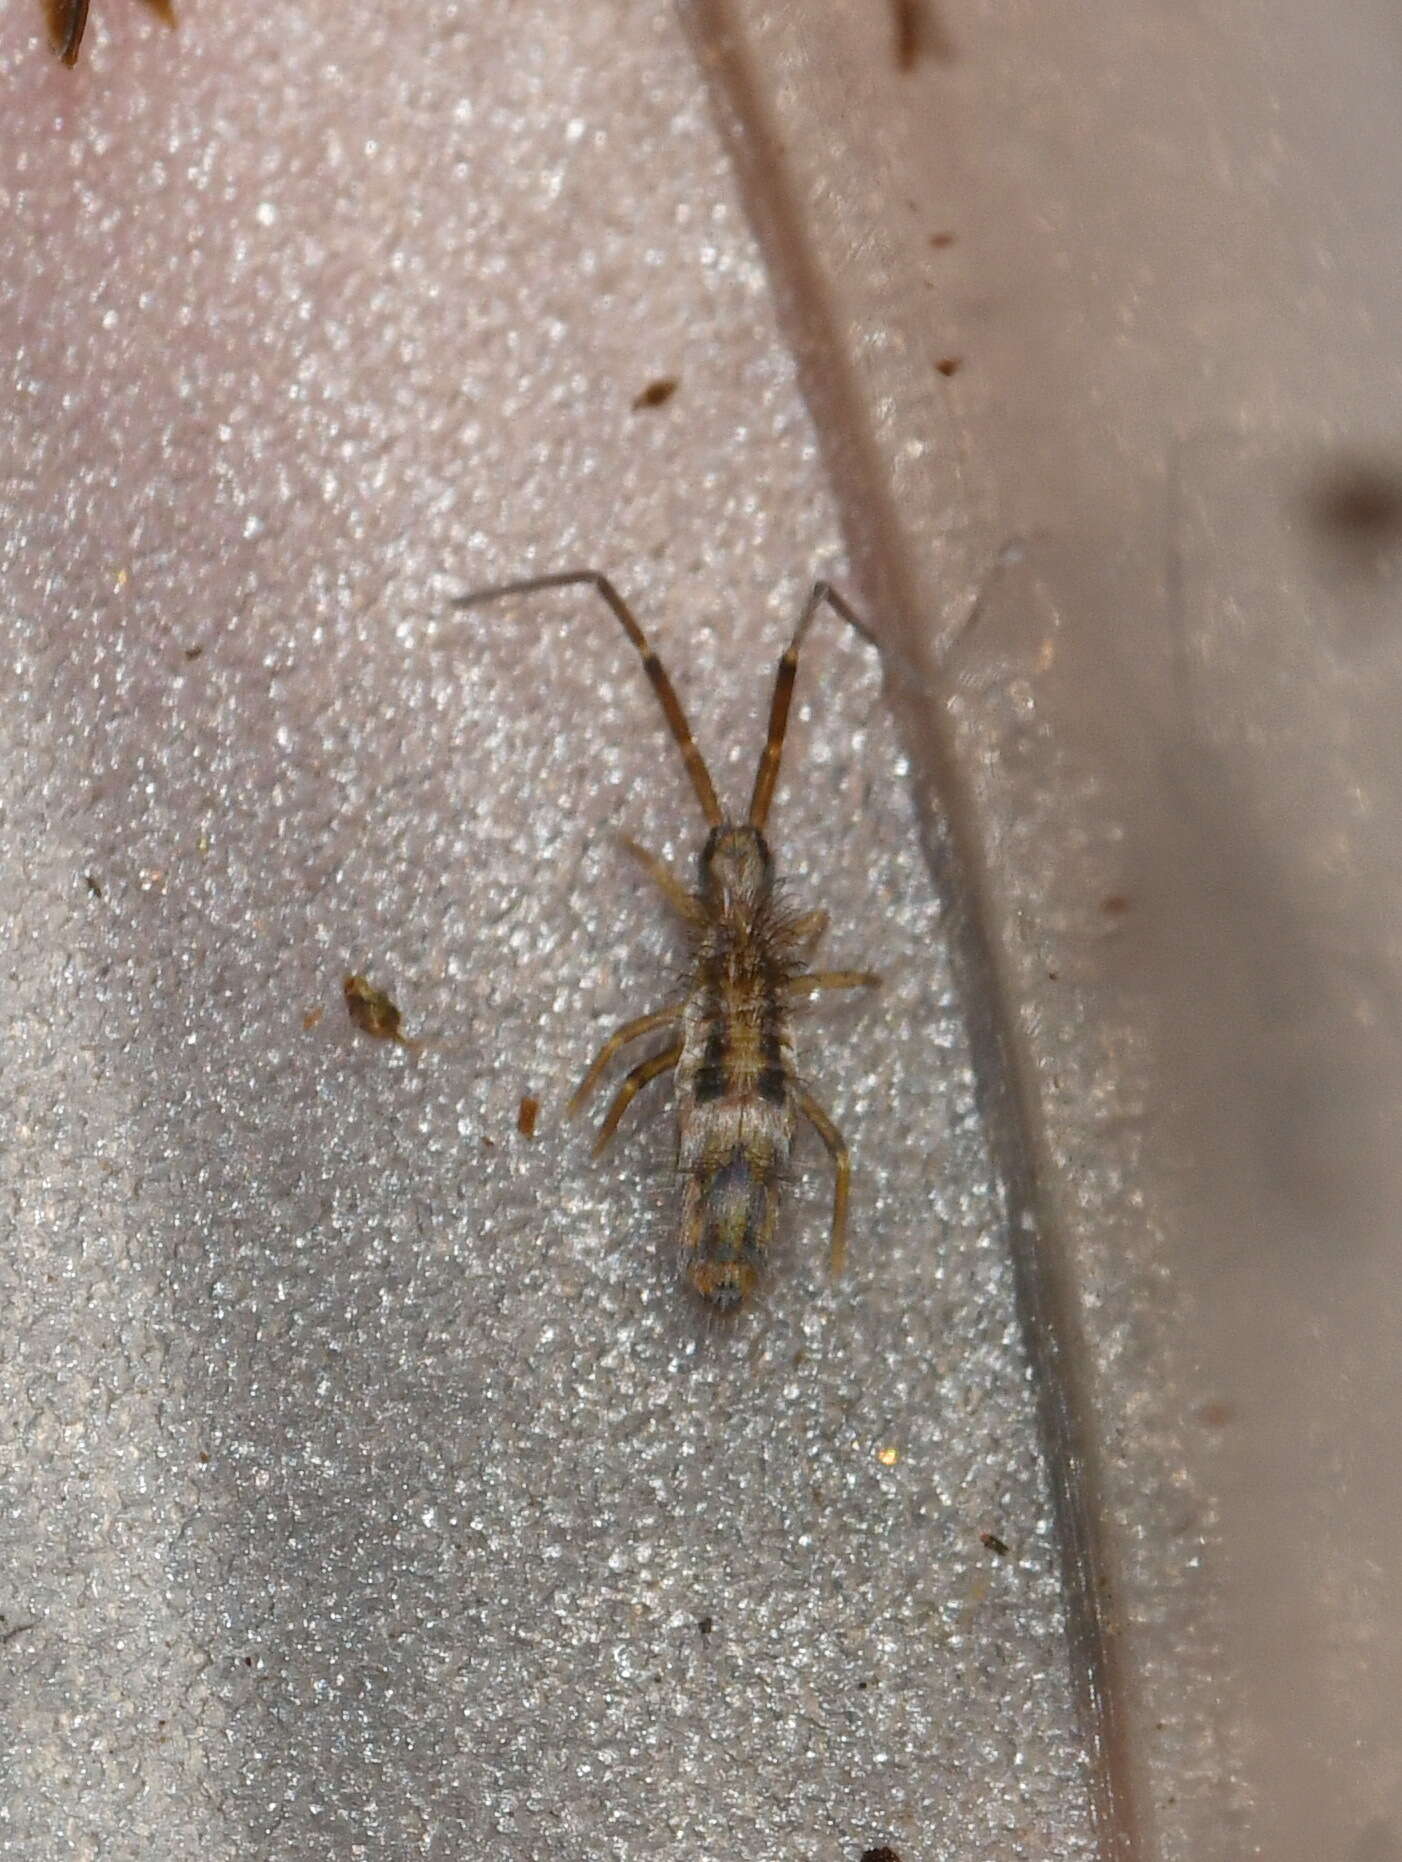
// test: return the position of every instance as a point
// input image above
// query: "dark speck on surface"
(1358, 502)
(656, 394)
(919, 34)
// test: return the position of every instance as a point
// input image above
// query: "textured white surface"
(1161, 244)
(367, 1479)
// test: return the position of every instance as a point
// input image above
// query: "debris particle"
(907, 20)
(313, 1016)
(918, 34)
(705, 1624)
(883, 1854)
(888, 1457)
(1359, 502)
(950, 365)
(993, 1543)
(92, 885)
(1115, 906)
(656, 394)
(371, 1010)
(939, 241)
(193, 653)
(526, 1116)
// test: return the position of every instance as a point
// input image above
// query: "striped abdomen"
(735, 1115)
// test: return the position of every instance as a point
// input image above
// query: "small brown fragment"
(92, 885)
(1115, 905)
(526, 1116)
(907, 21)
(193, 653)
(1359, 502)
(919, 33)
(939, 241)
(312, 1017)
(884, 1854)
(950, 365)
(657, 393)
(993, 1543)
(371, 1010)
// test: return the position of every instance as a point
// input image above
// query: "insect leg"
(652, 666)
(66, 29)
(68, 18)
(630, 1031)
(768, 772)
(644, 1071)
(810, 929)
(813, 980)
(662, 876)
(842, 1172)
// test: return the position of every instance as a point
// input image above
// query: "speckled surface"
(369, 1488)
(1159, 244)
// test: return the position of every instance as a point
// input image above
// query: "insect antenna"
(652, 666)
(768, 772)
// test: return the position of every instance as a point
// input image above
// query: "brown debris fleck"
(657, 393)
(372, 1011)
(919, 33)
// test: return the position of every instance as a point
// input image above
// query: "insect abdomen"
(729, 1213)
(736, 1118)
